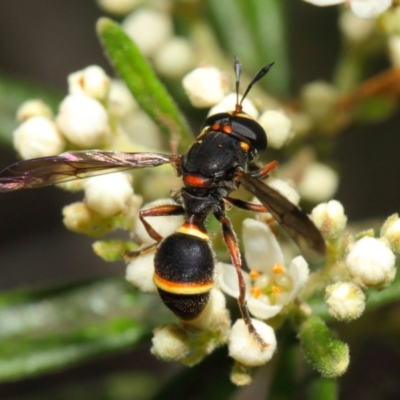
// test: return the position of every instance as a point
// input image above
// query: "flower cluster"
(361, 8)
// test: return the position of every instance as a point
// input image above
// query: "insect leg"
(244, 205)
(263, 172)
(232, 244)
(159, 211)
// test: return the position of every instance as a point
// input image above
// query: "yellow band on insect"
(193, 231)
(182, 288)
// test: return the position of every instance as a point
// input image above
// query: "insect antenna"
(237, 66)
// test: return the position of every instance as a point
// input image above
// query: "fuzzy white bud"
(394, 49)
(174, 58)
(329, 218)
(118, 7)
(345, 300)
(33, 108)
(170, 343)
(228, 104)
(121, 101)
(91, 81)
(215, 317)
(319, 100)
(356, 29)
(245, 349)
(82, 120)
(318, 183)
(140, 271)
(371, 263)
(277, 126)
(38, 137)
(285, 188)
(391, 232)
(205, 87)
(149, 29)
(108, 194)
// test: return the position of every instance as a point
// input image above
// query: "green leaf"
(329, 356)
(141, 80)
(323, 388)
(48, 330)
(13, 93)
(255, 30)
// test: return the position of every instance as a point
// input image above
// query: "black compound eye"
(250, 130)
(243, 127)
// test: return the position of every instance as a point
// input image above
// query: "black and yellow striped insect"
(215, 165)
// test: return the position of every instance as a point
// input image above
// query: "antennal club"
(238, 69)
(237, 66)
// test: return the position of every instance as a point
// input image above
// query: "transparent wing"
(297, 225)
(72, 165)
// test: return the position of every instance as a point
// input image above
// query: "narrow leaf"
(141, 80)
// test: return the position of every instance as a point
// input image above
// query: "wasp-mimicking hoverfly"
(216, 164)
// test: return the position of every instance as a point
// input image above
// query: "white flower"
(174, 58)
(108, 194)
(82, 120)
(318, 183)
(391, 232)
(91, 81)
(277, 126)
(149, 29)
(269, 286)
(361, 8)
(38, 137)
(245, 349)
(170, 343)
(118, 7)
(371, 263)
(205, 87)
(345, 300)
(394, 49)
(329, 218)
(33, 108)
(228, 104)
(122, 103)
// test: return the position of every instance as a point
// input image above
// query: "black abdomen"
(184, 267)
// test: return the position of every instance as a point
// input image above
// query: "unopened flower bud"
(149, 29)
(33, 108)
(244, 348)
(170, 343)
(108, 194)
(391, 232)
(82, 120)
(329, 218)
(286, 189)
(356, 29)
(38, 137)
(118, 7)
(205, 87)
(319, 100)
(140, 271)
(394, 49)
(78, 217)
(174, 58)
(227, 104)
(121, 101)
(371, 263)
(345, 300)
(91, 81)
(277, 126)
(318, 183)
